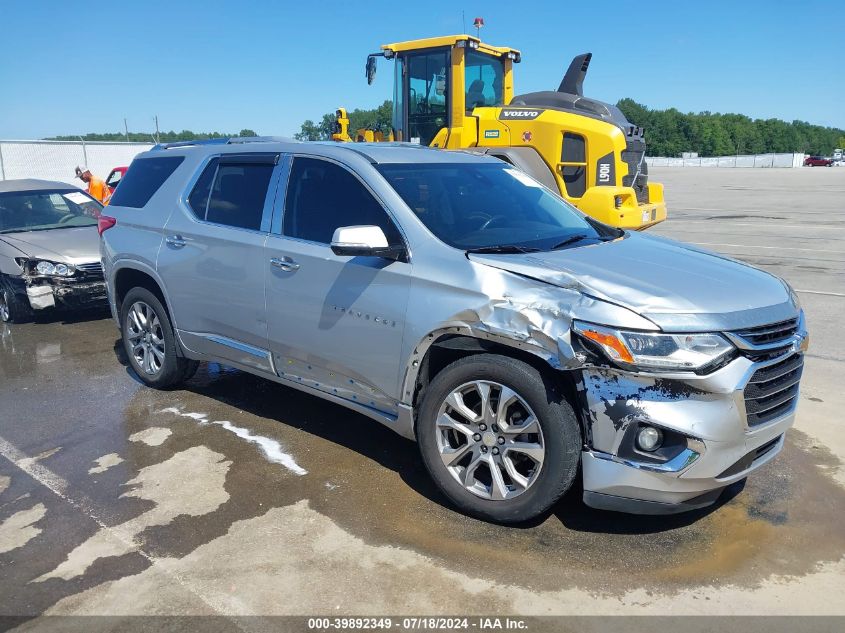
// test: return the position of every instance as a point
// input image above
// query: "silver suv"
(462, 304)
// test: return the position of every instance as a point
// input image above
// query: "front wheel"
(150, 343)
(12, 308)
(498, 438)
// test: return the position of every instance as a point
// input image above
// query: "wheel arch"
(134, 275)
(441, 347)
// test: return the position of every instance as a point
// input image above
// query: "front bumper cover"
(72, 294)
(706, 412)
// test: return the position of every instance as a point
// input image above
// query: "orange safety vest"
(99, 190)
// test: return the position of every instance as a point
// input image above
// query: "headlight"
(656, 351)
(51, 269)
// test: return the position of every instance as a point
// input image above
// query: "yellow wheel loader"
(456, 92)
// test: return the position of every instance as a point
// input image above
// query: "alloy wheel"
(146, 338)
(489, 439)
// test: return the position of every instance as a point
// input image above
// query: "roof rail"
(208, 141)
(226, 140)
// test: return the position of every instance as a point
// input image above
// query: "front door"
(213, 259)
(335, 323)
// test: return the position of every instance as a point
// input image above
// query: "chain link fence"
(57, 160)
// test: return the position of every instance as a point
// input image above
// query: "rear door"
(335, 323)
(212, 262)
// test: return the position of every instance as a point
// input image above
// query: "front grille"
(773, 390)
(92, 270)
(769, 334)
(632, 156)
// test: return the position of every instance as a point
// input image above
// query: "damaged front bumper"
(74, 294)
(717, 430)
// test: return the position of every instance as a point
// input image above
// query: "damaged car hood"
(72, 245)
(676, 286)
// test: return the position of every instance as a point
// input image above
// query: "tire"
(157, 363)
(559, 436)
(12, 308)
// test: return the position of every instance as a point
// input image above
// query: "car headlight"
(52, 269)
(655, 350)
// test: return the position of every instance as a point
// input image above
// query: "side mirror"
(371, 69)
(364, 241)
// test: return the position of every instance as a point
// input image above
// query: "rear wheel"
(12, 308)
(150, 343)
(498, 438)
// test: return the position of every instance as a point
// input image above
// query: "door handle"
(176, 241)
(284, 263)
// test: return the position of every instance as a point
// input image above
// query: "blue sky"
(76, 67)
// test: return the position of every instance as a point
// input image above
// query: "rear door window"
(198, 199)
(232, 191)
(143, 178)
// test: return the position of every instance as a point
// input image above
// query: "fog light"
(617, 200)
(649, 438)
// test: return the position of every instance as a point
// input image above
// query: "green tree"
(669, 133)
(375, 119)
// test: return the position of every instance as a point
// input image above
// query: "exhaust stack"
(573, 80)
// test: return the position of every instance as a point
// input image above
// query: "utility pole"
(158, 136)
(126, 129)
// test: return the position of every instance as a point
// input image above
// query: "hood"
(76, 245)
(678, 287)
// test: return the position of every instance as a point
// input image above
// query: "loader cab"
(438, 82)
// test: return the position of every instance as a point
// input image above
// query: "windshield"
(492, 207)
(45, 210)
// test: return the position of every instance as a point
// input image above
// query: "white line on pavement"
(778, 226)
(779, 248)
(821, 292)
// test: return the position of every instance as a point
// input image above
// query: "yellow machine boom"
(456, 92)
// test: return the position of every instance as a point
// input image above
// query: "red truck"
(114, 177)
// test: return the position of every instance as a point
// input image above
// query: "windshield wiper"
(570, 240)
(504, 249)
(579, 237)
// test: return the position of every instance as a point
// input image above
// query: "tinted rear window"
(238, 194)
(143, 178)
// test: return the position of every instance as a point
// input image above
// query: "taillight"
(105, 222)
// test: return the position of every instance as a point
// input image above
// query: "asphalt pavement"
(236, 496)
